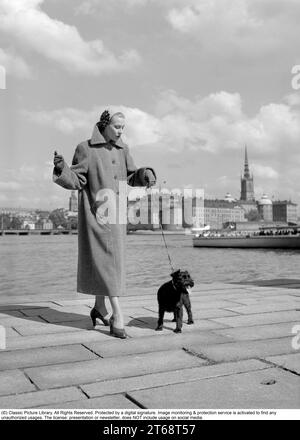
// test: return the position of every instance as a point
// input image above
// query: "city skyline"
(193, 97)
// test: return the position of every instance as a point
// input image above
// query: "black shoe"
(95, 314)
(117, 332)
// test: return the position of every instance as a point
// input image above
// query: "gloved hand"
(58, 162)
(149, 178)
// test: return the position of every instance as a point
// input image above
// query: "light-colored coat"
(98, 165)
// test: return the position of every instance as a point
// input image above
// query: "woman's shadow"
(46, 315)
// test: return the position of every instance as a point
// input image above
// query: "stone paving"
(238, 354)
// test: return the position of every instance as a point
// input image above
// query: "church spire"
(247, 185)
(246, 166)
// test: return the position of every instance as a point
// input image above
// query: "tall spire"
(247, 186)
(246, 166)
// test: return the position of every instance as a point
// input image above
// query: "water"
(45, 265)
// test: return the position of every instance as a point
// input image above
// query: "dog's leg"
(160, 321)
(179, 315)
(188, 307)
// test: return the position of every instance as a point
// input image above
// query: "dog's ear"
(175, 274)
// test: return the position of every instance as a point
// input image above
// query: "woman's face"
(115, 129)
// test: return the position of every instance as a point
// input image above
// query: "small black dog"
(172, 295)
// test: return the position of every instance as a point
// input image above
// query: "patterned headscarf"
(105, 119)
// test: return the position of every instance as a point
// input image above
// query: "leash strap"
(163, 236)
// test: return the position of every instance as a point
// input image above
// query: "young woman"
(98, 166)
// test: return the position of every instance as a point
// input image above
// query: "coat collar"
(98, 138)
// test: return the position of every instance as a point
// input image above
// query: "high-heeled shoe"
(96, 314)
(117, 332)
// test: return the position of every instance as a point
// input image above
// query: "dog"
(172, 296)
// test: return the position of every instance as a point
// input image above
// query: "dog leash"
(163, 236)
(167, 250)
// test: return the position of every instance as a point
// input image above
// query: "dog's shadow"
(150, 322)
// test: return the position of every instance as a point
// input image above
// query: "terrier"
(171, 297)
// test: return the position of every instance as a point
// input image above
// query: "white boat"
(272, 239)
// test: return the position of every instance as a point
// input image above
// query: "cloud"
(214, 124)
(237, 27)
(10, 186)
(90, 7)
(293, 99)
(266, 172)
(26, 23)
(141, 128)
(14, 64)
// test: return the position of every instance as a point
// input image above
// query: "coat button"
(113, 161)
(115, 177)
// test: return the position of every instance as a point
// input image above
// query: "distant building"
(229, 198)
(28, 224)
(285, 211)
(265, 209)
(73, 203)
(218, 212)
(44, 223)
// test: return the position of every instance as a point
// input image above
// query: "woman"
(98, 166)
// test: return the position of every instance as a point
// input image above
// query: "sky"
(197, 80)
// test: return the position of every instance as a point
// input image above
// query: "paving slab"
(37, 398)
(200, 313)
(53, 316)
(44, 356)
(46, 328)
(20, 306)
(288, 299)
(244, 390)
(75, 302)
(263, 308)
(11, 333)
(11, 321)
(270, 331)
(242, 349)
(153, 344)
(104, 369)
(50, 340)
(259, 319)
(171, 377)
(289, 362)
(13, 382)
(10, 313)
(106, 402)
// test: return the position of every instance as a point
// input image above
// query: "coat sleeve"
(74, 177)
(135, 176)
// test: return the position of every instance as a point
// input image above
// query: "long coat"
(98, 165)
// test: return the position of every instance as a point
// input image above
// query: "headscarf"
(106, 118)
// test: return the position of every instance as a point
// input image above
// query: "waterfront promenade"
(238, 354)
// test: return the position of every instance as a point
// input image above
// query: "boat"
(287, 238)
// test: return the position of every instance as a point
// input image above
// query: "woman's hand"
(149, 178)
(58, 162)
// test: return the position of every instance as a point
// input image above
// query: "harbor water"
(45, 265)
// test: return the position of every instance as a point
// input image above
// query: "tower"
(73, 206)
(247, 186)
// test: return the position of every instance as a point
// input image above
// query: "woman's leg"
(100, 306)
(117, 312)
